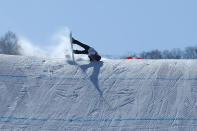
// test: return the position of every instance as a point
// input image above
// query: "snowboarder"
(91, 52)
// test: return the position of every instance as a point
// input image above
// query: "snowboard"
(71, 45)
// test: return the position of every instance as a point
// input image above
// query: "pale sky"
(112, 27)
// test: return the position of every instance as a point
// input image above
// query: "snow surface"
(115, 95)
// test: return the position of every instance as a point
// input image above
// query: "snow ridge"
(54, 94)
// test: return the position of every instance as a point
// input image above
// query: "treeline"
(9, 44)
(187, 53)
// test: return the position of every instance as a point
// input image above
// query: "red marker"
(129, 57)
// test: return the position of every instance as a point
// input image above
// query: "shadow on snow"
(94, 76)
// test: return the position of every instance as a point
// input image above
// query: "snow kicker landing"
(113, 95)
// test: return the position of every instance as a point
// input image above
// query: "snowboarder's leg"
(80, 51)
(86, 47)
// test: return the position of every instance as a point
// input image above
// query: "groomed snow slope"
(114, 95)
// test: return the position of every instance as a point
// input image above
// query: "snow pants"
(86, 47)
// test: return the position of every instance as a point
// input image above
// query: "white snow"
(38, 94)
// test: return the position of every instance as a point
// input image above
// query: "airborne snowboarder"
(91, 52)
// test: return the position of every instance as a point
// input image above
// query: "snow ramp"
(114, 95)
